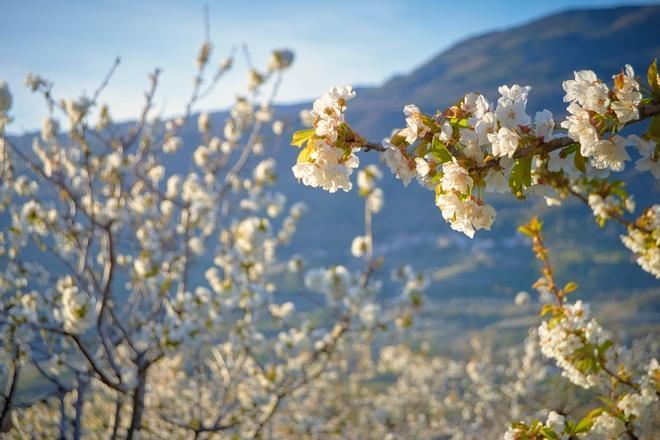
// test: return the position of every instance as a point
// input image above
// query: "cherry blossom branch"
(646, 111)
(106, 80)
(611, 213)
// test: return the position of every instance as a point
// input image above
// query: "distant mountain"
(542, 53)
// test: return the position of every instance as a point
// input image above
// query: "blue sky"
(73, 43)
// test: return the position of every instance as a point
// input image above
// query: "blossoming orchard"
(141, 301)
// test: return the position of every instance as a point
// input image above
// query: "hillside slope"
(541, 53)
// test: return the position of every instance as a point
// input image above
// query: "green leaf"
(303, 156)
(580, 161)
(439, 151)
(567, 151)
(654, 128)
(654, 78)
(459, 122)
(602, 348)
(165, 287)
(570, 287)
(301, 136)
(547, 308)
(583, 426)
(549, 433)
(618, 189)
(587, 422)
(521, 176)
(532, 228)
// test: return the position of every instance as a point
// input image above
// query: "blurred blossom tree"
(141, 302)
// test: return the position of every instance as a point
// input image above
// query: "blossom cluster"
(644, 242)
(328, 159)
(577, 344)
(589, 104)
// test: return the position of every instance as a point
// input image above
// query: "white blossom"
(648, 161)
(398, 163)
(511, 106)
(455, 178)
(543, 124)
(610, 154)
(626, 90)
(360, 246)
(327, 168)
(504, 142)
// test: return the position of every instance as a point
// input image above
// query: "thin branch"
(106, 79)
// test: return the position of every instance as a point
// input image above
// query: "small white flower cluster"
(522, 298)
(367, 179)
(326, 167)
(590, 102)
(49, 130)
(26, 310)
(628, 96)
(556, 422)
(280, 59)
(649, 160)
(415, 126)
(463, 213)
(601, 207)
(487, 132)
(77, 311)
(323, 163)
(333, 282)
(567, 339)
(645, 243)
(360, 246)
(282, 311)
(414, 283)
(636, 405)
(398, 163)
(605, 425)
(339, 285)
(328, 111)
(34, 218)
(649, 156)
(636, 408)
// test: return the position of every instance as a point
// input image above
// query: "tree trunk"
(116, 426)
(80, 402)
(138, 400)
